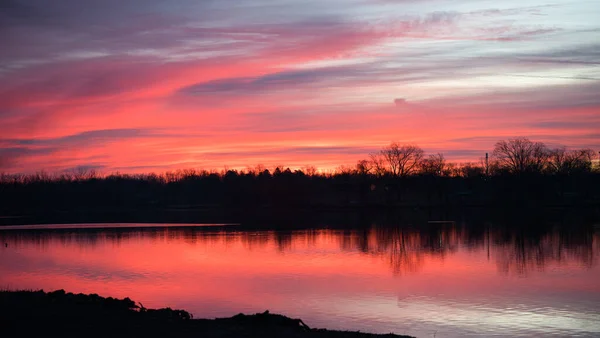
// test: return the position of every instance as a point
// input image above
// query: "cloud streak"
(144, 84)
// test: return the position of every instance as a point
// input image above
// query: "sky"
(156, 85)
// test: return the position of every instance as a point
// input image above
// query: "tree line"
(518, 172)
(514, 156)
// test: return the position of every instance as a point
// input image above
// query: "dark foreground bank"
(60, 314)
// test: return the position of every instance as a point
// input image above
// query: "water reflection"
(519, 252)
(404, 248)
(453, 279)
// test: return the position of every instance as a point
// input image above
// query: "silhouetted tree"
(370, 182)
(364, 167)
(563, 161)
(434, 165)
(378, 163)
(402, 160)
(310, 170)
(471, 170)
(521, 155)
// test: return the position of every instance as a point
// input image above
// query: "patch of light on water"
(465, 318)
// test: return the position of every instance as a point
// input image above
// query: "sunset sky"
(156, 85)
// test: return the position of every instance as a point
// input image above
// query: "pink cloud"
(298, 91)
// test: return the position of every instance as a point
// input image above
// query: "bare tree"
(451, 169)
(256, 170)
(471, 169)
(565, 161)
(344, 170)
(402, 160)
(521, 155)
(434, 165)
(364, 167)
(83, 173)
(378, 164)
(310, 170)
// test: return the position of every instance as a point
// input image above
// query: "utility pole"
(487, 165)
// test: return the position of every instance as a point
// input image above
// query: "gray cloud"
(568, 124)
(87, 137)
(8, 152)
(560, 96)
(14, 150)
(580, 54)
(270, 82)
(10, 155)
(98, 167)
(400, 102)
(66, 56)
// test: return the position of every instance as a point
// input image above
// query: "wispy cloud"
(154, 84)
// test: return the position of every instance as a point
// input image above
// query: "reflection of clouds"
(17, 261)
(334, 278)
(405, 249)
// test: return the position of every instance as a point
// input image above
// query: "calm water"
(442, 280)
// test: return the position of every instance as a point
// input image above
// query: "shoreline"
(293, 217)
(62, 314)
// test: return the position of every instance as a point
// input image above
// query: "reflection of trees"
(406, 249)
(521, 252)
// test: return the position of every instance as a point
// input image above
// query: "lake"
(439, 279)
